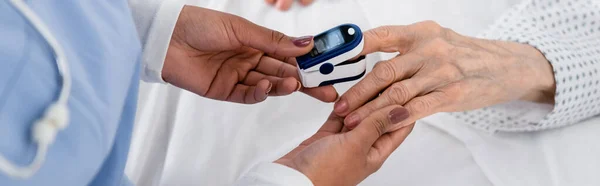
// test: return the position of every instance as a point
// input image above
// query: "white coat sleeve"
(567, 32)
(273, 174)
(155, 21)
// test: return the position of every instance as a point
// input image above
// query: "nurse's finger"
(288, 60)
(382, 76)
(377, 124)
(386, 145)
(306, 2)
(267, 40)
(284, 4)
(333, 125)
(270, 2)
(250, 94)
(345, 129)
(398, 93)
(281, 86)
(326, 94)
(222, 84)
(273, 67)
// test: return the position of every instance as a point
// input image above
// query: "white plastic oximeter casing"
(329, 62)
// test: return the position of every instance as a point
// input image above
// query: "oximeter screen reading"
(327, 42)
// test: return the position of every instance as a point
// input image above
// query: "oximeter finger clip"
(330, 60)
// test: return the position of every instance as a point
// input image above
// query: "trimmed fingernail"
(398, 115)
(299, 86)
(352, 120)
(302, 41)
(341, 106)
(269, 88)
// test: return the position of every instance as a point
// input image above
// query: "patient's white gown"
(183, 139)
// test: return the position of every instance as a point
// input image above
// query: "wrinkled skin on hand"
(439, 70)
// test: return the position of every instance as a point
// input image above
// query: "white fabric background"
(183, 139)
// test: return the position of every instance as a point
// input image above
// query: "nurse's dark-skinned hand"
(285, 5)
(439, 70)
(334, 156)
(225, 57)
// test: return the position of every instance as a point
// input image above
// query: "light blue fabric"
(103, 52)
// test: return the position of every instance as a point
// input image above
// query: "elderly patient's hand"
(226, 57)
(287, 4)
(439, 70)
(333, 157)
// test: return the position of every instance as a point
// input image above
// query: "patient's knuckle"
(448, 33)
(376, 66)
(384, 73)
(387, 35)
(430, 26)
(399, 93)
(439, 42)
(439, 47)
(383, 32)
(357, 91)
(421, 105)
(453, 93)
(449, 71)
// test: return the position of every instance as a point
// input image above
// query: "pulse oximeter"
(329, 62)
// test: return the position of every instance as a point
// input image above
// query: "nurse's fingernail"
(352, 120)
(299, 86)
(302, 41)
(398, 115)
(341, 106)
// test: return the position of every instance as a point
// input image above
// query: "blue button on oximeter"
(328, 62)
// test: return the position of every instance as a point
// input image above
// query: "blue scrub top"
(103, 50)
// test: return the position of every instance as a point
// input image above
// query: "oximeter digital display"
(329, 62)
(327, 42)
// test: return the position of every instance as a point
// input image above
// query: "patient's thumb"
(273, 42)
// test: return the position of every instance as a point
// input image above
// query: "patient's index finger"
(388, 39)
(383, 75)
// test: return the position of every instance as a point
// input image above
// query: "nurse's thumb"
(272, 42)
